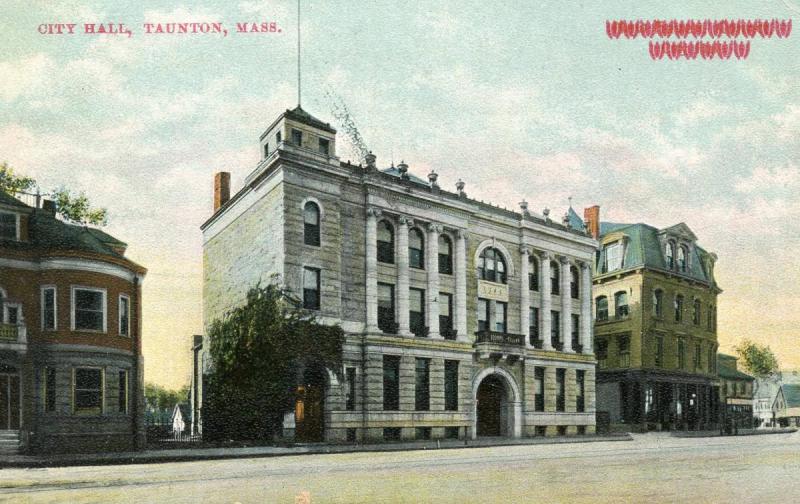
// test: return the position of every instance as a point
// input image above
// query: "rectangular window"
(500, 316)
(391, 382)
(576, 341)
(416, 312)
(601, 352)
(350, 399)
(613, 257)
(124, 316)
(49, 389)
(561, 389)
(580, 390)
(538, 390)
(533, 277)
(712, 361)
(87, 390)
(445, 316)
(533, 325)
(386, 308)
(297, 137)
(697, 356)
(555, 330)
(13, 315)
(8, 226)
(681, 354)
(122, 397)
(451, 385)
(659, 358)
(422, 385)
(483, 315)
(88, 309)
(278, 138)
(324, 146)
(266, 150)
(49, 308)
(624, 346)
(311, 288)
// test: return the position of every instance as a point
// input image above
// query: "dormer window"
(8, 226)
(669, 255)
(297, 137)
(613, 256)
(324, 146)
(682, 253)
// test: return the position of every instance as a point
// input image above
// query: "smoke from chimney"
(222, 189)
(591, 216)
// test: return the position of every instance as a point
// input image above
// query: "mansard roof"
(300, 115)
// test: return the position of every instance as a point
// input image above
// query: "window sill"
(89, 331)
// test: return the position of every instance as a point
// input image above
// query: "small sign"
(491, 290)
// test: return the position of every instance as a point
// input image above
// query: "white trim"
(4, 315)
(515, 401)
(314, 200)
(42, 290)
(73, 265)
(127, 333)
(104, 292)
(102, 390)
(490, 242)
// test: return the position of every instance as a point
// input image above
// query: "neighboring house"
(787, 405)
(655, 300)
(735, 392)
(70, 339)
(180, 420)
(462, 319)
(766, 389)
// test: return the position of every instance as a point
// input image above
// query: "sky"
(520, 99)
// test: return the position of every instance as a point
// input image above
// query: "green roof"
(392, 170)
(726, 368)
(300, 115)
(7, 199)
(644, 250)
(791, 393)
(575, 221)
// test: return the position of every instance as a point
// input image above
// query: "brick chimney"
(222, 189)
(591, 216)
(49, 207)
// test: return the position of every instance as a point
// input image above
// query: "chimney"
(49, 207)
(591, 216)
(222, 189)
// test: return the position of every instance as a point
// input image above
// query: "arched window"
(492, 266)
(573, 283)
(621, 304)
(696, 312)
(555, 277)
(669, 254)
(416, 252)
(658, 303)
(445, 255)
(311, 224)
(533, 274)
(385, 242)
(678, 307)
(682, 254)
(601, 308)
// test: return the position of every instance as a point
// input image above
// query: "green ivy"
(259, 352)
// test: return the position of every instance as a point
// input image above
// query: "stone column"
(372, 269)
(432, 293)
(586, 309)
(402, 276)
(566, 305)
(524, 296)
(544, 283)
(461, 285)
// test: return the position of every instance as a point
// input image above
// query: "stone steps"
(9, 442)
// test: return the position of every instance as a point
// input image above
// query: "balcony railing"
(9, 332)
(13, 337)
(537, 343)
(499, 338)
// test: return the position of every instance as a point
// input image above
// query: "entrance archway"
(309, 408)
(497, 407)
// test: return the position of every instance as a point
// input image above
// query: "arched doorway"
(309, 408)
(492, 408)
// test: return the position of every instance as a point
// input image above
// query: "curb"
(754, 432)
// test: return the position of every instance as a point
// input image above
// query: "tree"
(758, 359)
(11, 183)
(76, 208)
(259, 353)
(162, 398)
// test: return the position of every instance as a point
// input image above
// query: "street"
(652, 468)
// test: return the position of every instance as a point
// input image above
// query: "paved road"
(653, 468)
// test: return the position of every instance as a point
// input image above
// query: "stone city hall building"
(70, 338)
(656, 327)
(462, 319)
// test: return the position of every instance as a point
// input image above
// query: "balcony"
(13, 337)
(499, 345)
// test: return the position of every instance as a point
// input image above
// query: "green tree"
(162, 398)
(12, 183)
(758, 359)
(259, 354)
(76, 208)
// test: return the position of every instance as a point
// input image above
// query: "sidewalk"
(193, 454)
(741, 432)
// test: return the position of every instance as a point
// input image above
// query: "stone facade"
(44, 349)
(261, 232)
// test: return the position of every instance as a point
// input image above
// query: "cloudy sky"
(520, 99)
